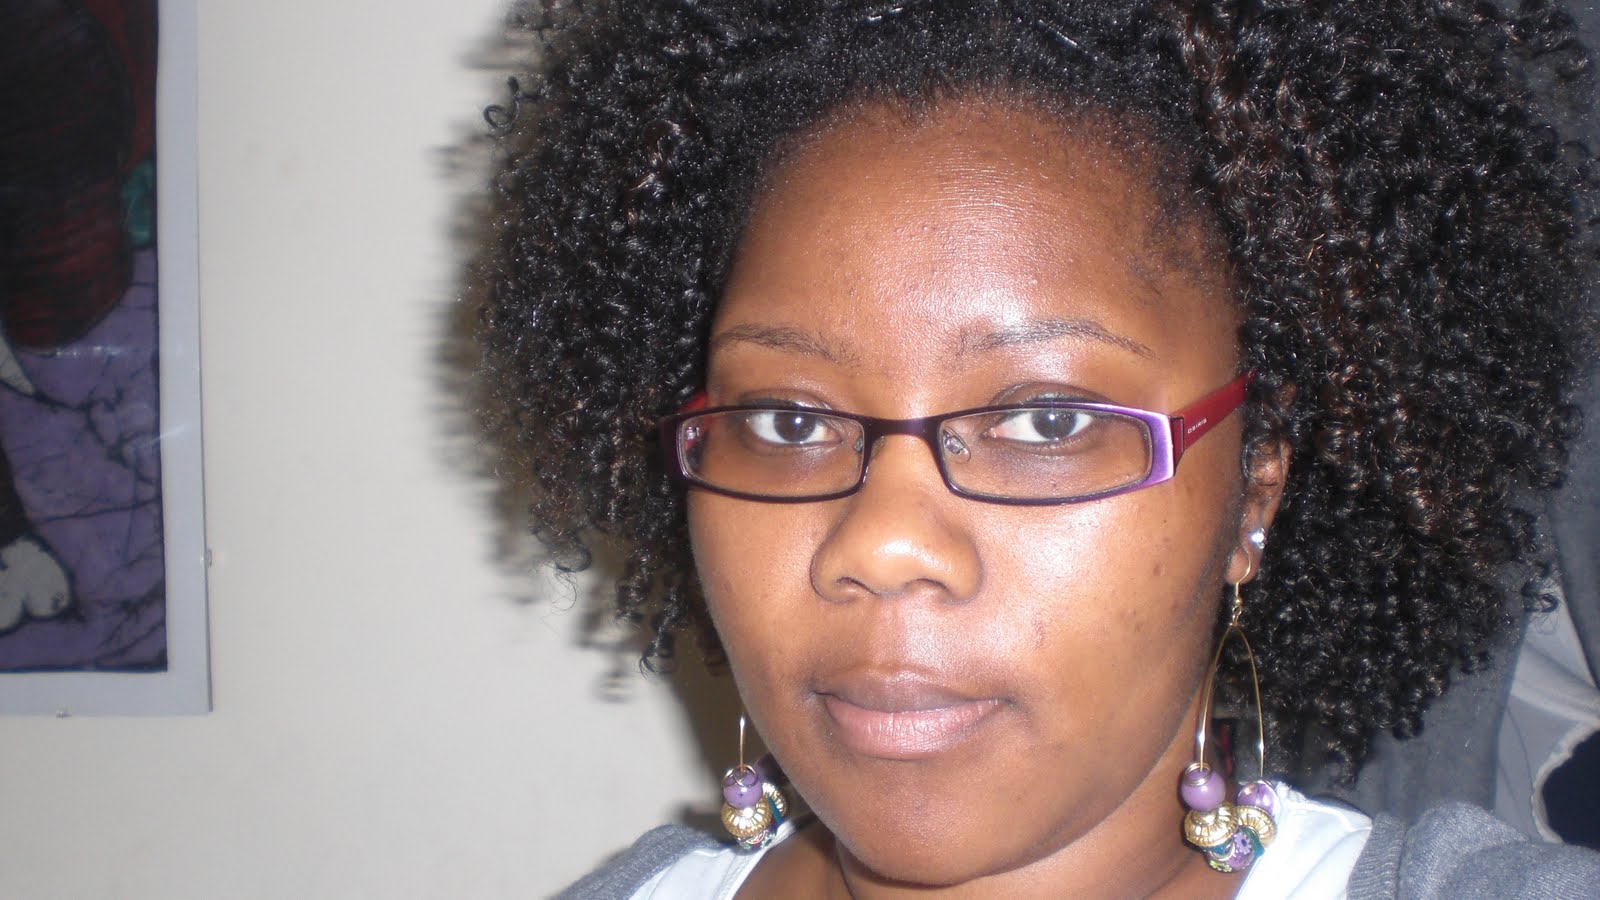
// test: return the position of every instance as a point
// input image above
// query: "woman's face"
(960, 688)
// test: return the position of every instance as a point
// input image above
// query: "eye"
(791, 427)
(1041, 426)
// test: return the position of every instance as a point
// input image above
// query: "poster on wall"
(102, 559)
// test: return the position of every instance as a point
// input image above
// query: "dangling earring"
(754, 807)
(1233, 835)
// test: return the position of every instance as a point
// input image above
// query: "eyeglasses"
(1029, 454)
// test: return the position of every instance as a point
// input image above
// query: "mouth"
(902, 716)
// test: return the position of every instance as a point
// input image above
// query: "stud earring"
(753, 806)
(1233, 835)
(1258, 538)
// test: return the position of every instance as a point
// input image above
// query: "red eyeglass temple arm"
(1191, 423)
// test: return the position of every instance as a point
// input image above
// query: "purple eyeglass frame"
(1170, 436)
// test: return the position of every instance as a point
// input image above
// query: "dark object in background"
(1572, 796)
(72, 135)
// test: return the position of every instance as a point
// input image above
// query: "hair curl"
(1410, 243)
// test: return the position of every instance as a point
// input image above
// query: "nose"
(902, 534)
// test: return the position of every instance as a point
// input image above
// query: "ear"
(1266, 473)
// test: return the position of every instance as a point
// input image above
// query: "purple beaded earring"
(753, 805)
(1233, 835)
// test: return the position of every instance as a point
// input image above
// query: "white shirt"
(1311, 859)
(1314, 853)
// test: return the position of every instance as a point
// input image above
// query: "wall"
(390, 720)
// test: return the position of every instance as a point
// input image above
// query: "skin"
(901, 266)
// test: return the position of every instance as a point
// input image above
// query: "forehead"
(952, 224)
(1004, 157)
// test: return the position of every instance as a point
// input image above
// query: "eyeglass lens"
(1042, 453)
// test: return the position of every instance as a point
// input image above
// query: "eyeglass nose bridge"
(925, 429)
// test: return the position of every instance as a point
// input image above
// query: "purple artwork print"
(82, 577)
(87, 468)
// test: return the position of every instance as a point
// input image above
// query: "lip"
(902, 715)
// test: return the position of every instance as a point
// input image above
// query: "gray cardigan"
(1455, 852)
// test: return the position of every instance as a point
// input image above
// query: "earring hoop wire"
(1233, 835)
(1204, 717)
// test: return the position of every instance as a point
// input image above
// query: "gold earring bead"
(1209, 828)
(775, 799)
(1258, 821)
(747, 824)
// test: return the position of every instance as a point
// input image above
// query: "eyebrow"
(785, 338)
(798, 340)
(1042, 330)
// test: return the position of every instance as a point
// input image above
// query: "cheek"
(1127, 545)
(753, 560)
(1119, 611)
(1108, 588)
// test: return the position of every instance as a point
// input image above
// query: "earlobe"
(1246, 559)
(1267, 471)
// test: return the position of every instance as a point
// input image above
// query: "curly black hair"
(1410, 243)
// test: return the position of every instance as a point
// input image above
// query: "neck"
(1186, 877)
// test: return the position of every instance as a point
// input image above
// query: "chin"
(938, 862)
(926, 866)
(928, 843)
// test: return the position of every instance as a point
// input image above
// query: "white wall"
(388, 720)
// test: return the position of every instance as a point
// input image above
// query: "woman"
(1005, 355)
